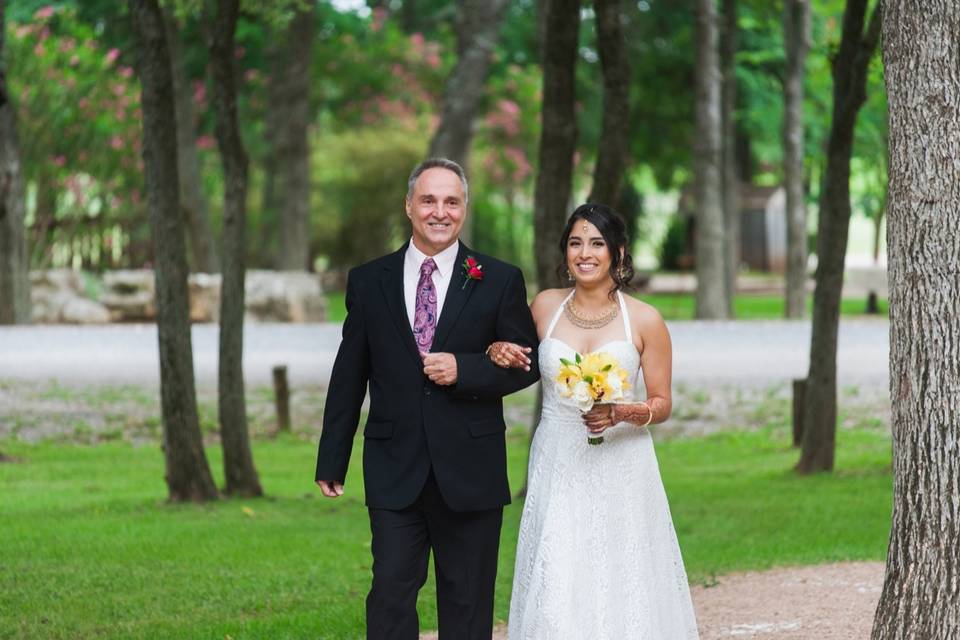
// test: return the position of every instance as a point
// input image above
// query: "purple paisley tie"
(425, 313)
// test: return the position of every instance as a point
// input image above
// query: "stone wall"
(65, 296)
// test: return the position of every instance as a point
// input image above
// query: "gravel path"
(745, 353)
(824, 602)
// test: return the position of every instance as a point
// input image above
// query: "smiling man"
(418, 324)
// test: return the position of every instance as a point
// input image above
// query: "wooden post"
(873, 306)
(281, 394)
(799, 391)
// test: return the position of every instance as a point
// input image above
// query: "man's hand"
(330, 488)
(441, 368)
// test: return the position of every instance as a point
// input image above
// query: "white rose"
(582, 397)
(616, 387)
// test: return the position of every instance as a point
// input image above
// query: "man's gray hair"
(437, 163)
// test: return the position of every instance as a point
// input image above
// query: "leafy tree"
(857, 46)
(187, 472)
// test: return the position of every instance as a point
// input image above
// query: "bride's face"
(588, 256)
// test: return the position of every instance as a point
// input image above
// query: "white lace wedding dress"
(597, 556)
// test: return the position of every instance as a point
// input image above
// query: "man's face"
(436, 210)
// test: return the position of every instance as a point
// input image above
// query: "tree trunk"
(241, 475)
(187, 472)
(558, 142)
(796, 38)
(612, 153)
(192, 200)
(14, 262)
(478, 27)
(731, 178)
(558, 137)
(408, 16)
(921, 54)
(849, 93)
(289, 97)
(711, 301)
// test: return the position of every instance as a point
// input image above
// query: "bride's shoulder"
(642, 314)
(547, 301)
(550, 296)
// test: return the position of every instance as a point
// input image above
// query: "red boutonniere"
(473, 270)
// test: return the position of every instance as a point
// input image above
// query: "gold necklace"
(585, 322)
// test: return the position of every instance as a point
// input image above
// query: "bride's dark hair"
(614, 231)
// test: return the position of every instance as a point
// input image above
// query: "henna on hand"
(509, 355)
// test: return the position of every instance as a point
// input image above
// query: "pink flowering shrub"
(78, 119)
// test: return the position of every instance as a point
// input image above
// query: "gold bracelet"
(649, 411)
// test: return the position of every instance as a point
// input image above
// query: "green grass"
(90, 550)
(680, 306)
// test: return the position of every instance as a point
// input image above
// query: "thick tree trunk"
(796, 38)
(612, 153)
(558, 137)
(241, 475)
(187, 472)
(921, 54)
(558, 142)
(478, 27)
(290, 123)
(849, 93)
(14, 262)
(711, 299)
(192, 200)
(731, 177)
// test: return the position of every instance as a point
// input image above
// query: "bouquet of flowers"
(590, 379)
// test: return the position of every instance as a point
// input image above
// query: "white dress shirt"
(446, 264)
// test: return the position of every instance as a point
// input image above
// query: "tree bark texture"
(614, 135)
(921, 54)
(558, 137)
(239, 471)
(478, 28)
(796, 38)
(731, 177)
(14, 260)
(709, 247)
(192, 199)
(849, 93)
(289, 97)
(560, 24)
(187, 472)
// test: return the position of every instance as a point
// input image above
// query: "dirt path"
(824, 602)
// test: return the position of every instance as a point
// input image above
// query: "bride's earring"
(569, 275)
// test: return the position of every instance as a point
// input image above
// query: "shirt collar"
(445, 259)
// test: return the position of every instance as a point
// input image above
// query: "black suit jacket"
(414, 424)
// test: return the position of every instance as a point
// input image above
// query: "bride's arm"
(510, 355)
(656, 362)
(657, 365)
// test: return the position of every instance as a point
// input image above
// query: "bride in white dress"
(597, 555)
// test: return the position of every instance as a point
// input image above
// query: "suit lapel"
(392, 286)
(457, 296)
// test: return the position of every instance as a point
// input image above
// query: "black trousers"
(464, 545)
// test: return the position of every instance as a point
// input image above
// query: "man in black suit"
(434, 455)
